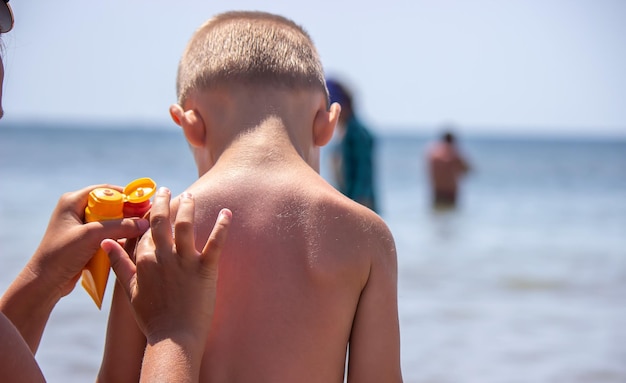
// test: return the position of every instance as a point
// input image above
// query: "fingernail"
(186, 195)
(104, 245)
(226, 214)
(163, 190)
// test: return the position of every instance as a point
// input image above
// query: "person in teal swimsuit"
(356, 158)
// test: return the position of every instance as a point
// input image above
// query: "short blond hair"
(249, 48)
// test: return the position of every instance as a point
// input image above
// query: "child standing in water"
(306, 273)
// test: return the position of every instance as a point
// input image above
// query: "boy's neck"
(257, 128)
(268, 143)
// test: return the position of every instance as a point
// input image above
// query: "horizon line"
(422, 129)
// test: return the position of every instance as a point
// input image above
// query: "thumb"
(124, 228)
(121, 264)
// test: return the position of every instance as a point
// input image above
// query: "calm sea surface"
(525, 282)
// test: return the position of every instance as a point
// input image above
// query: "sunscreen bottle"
(108, 204)
(103, 204)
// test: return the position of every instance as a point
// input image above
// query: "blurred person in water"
(446, 166)
(354, 161)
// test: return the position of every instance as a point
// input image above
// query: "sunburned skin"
(288, 297)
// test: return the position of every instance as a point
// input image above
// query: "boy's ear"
(325, 123)
(192, 124)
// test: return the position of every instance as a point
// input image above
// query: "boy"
(305, 271)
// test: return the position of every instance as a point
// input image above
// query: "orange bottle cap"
(139, 190)
(104, 203)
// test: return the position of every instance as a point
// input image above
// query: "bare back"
(293, 279)
(446, 167)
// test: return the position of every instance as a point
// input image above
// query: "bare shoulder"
(365, 230)
(332, 225)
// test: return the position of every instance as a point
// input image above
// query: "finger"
(121, 264)
(183, 229)
(121, 228)
(215, 244)
(129, 246)
(95, 232)
(160, 219)
(144, 249)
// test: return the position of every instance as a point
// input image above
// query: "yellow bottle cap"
(139, 190)
(103, 204)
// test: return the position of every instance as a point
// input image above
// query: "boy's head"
(249, 48)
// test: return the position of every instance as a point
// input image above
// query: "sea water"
(524, 282)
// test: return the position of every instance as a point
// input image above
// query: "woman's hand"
(69, 243)
(56, 265)
(172, 286)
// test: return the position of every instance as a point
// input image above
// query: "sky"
(521, 66)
